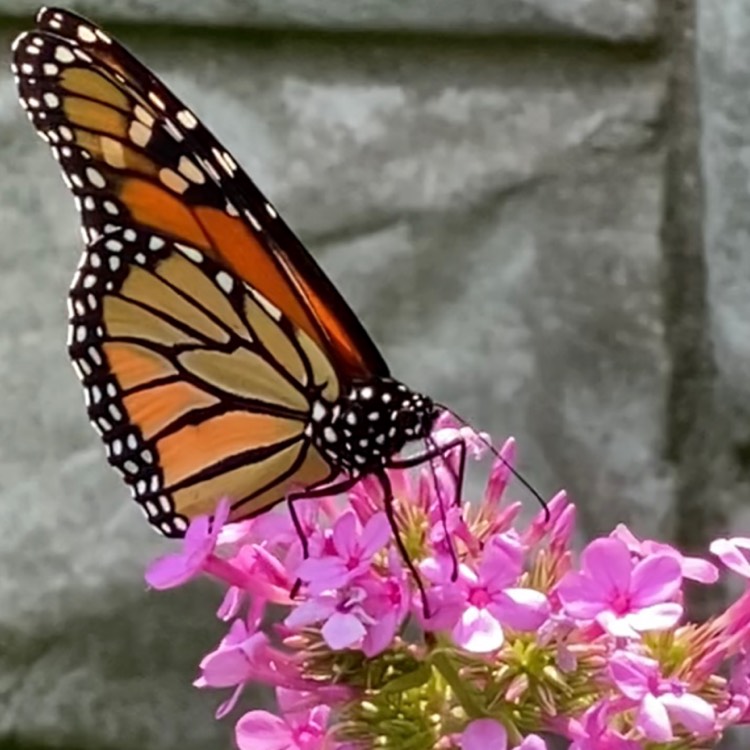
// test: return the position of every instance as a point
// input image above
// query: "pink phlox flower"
(342, 612)
(387, 603)
(734, 554)
(232, 603)
(659, 701)
(592, 731)
(264, 574)
(488, 734)
(294, 730)
(366, 497)
(446, 602)
(241, 657)
(540, 526)
(350, 555)
(446, 519)
(500, 474)
(448, 429)
(625, 599)
(201, 537)
(694, 568)
(489, 598)
(276, 527)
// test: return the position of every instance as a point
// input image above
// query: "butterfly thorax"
(368, 425)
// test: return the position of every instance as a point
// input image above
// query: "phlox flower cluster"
(511, 638)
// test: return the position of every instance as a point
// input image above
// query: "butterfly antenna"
(495, 452)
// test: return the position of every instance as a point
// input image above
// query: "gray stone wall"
(540, 210)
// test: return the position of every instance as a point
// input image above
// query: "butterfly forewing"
(135, 156)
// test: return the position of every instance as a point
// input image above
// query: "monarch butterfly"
(217, 359)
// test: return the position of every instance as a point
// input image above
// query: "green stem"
(448, 671)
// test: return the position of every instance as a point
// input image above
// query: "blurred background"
(539, 208)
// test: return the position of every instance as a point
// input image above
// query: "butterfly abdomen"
(370, 424)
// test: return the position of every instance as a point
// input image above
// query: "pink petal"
(694, 713)
(446, 606)
(342, 630)
(732, 552)
(501, 561)
(698, 569)
(658, 617)
(170, 571)
(292, 701)
(532, 742)
(221, 513)
(311, 611)
(196, 534)
(653, 720)
(237, 634)
(627, 537)
(260, 730)
(632, 673)
(616, 625)
(484, 734)
(478, 631)
(345, 537)
(323, 573)
(500, 473)
(226, 667)
(380, 635)
(226, 707)
(563, 528)
(655, 579)
(581, 599)
(520, 609)
(375, 535)
(607, 562)
(230, 604)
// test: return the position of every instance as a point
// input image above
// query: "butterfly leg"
(311, 494)
(388, 501)
(442, 451)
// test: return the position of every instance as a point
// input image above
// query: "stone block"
(612, 20)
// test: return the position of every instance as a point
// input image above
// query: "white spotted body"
(371, 423)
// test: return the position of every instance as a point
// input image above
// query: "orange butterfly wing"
(151, 163)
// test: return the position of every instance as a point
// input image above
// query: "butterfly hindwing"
(135, 157)
(198, 385)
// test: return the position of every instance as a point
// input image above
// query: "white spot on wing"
(96, 178)
(187, 119)
(157, 101)
(86, 34)
(225, 281)
(189, 170)
(64, 55)
(190, 252)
